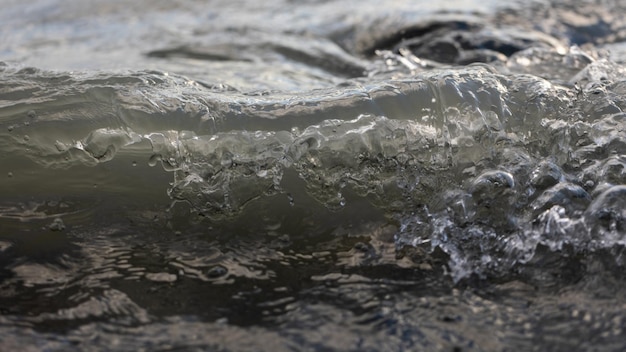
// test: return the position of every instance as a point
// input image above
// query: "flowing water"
(312, 175)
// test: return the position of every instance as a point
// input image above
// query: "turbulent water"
(312, 175)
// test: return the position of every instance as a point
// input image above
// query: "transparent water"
(299, 175)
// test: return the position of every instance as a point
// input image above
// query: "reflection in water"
(320, 177)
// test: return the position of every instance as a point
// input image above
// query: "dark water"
(300, 175)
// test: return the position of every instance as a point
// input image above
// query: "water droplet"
(57, 225)
(292, 202)
(342, 201)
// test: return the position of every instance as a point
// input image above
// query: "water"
(332, 175)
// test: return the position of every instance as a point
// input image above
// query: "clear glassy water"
(312, 175)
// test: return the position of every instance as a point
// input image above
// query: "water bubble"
(10, 174)
(569, 196)
(154, 159)
(545, 175)
(10, 128)
(614, 170)
(608, 210)
(491, 185)
(134, 163)
(26, 138)
(32, 114)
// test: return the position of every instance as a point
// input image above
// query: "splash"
(483, 162)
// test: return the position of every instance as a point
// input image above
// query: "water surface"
(299, 175)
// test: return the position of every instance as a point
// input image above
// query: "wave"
(481, 152)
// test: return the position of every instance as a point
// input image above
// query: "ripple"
(320, 177)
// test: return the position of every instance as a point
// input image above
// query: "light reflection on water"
(230, 177)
